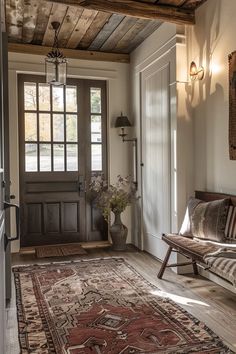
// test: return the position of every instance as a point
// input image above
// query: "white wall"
(210, 41)
(117, 76)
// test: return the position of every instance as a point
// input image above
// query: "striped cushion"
(197, 248)
(223, 263)
(230, 229)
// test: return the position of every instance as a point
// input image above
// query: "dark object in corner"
(232, 106)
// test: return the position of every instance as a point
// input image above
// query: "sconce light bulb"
(196, 73)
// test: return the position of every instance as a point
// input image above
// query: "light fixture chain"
(55, 44)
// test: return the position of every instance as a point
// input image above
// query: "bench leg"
(164, 264)
(195, 269)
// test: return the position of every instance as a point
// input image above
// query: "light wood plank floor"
(206, 300)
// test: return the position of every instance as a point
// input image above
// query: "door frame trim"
(86, 84)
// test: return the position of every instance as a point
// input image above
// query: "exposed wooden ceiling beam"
(69, 53)
(136, 9)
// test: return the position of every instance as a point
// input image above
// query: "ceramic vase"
(118, 233)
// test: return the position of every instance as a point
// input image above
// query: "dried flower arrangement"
(112, 197)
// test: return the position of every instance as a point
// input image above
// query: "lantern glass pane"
(50, 71)
(62, 72)
(56, 71)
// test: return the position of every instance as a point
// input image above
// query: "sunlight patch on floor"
(179, 299)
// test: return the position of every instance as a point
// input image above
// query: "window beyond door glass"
(51, 127)
(96, 128)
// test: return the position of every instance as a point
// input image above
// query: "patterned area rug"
(102, 306)
(59, 250)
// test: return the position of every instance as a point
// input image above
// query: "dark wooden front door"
(62, 143)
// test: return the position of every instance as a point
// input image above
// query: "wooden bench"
(194, 249)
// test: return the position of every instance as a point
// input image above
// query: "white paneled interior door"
(156, 181)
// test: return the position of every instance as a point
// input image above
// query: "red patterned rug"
(102, 306)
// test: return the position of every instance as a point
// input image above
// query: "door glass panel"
(96, 129)
(30, 97)
(96, 157)
(30, 127)
(45, 157)
(71, 99)
(31, 158)
(72, 157)
(58, 127)
(58, 157)
(71, 127)
(44, 127)
(44, 97)
(53, 125)
(58, 98)
(95, 100)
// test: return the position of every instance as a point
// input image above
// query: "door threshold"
(85, 245)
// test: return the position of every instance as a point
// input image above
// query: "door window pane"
(31, 158)
(72, 157)
(95, 100)
(58, 157)
(45, 157)
(30, 96)
(44, 97)
(96, 157)
(96, 129)
(58, 98)
(44, 127)
(71, 99)
(71, 127)
(58, 127)
(30, 127)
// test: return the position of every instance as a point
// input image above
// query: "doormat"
(59, 250)
(103, 306)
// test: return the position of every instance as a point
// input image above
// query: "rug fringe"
(68, 262)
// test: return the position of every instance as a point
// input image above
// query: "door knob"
(12, 196)
(81, 185)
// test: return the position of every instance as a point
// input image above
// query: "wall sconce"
(123, 122)
(196, 73)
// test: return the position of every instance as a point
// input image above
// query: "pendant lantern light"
(55, 62)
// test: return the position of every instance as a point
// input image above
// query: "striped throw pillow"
(209, 219)
(230, 228)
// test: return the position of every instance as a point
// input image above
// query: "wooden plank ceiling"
(85, 27)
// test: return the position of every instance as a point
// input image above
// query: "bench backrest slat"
(210, 196)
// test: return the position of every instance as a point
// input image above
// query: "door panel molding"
(156, 156)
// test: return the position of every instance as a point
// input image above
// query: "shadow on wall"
(202, 97)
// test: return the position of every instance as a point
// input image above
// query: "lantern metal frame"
(56, 58)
